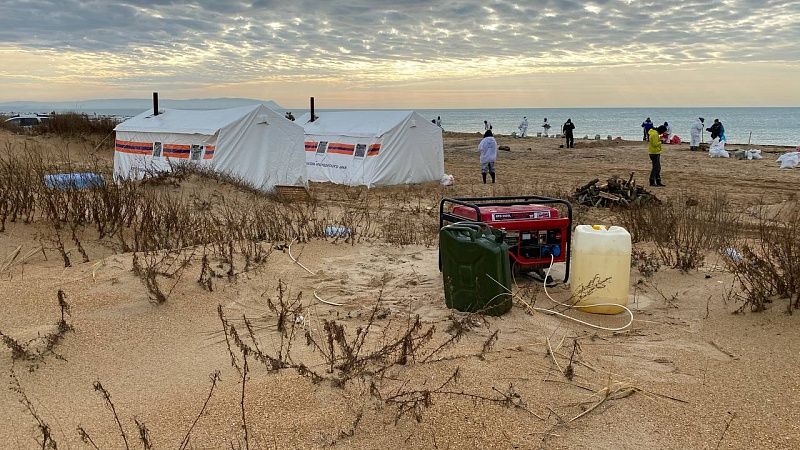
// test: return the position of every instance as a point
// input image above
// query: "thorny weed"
(684, 229)
(768, 267)
(36, 350)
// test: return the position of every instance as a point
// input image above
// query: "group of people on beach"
(566, 129)
(654, 137)
(652, 134)
(488, 145)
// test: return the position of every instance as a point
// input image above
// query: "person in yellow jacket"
(654, 148)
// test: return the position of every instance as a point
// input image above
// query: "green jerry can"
(475, 268)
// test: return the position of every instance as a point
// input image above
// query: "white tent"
(373, 148)
(252, 143)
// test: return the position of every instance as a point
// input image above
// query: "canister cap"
(600, 227)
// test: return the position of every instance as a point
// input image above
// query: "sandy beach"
(687, 374)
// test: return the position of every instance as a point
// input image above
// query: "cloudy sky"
(406, 53)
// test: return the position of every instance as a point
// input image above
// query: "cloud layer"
(380, 42)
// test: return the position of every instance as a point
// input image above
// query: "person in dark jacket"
(646, 126)
(567, 129)
(715, 129)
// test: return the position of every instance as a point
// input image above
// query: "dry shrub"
(36, 350)
(14, 128)
(365, 353)
(153, 266)
(684, 229)
(76, 124)
(45, 440)
(768, 267)
(181, 171)
(647, 263)
(137, 218)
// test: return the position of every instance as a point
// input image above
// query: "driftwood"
(615, 192)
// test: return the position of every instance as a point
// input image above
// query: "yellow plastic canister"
(600, 253)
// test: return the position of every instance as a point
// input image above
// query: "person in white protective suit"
(546, 126)
(523, 126)
(697, 129)
(488, 150)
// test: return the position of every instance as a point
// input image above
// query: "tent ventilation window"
(157, 149)
(197, 153)
(322, 147)
(361, 150)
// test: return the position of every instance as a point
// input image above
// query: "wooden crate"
(292, 194)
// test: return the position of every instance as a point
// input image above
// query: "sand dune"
(688, 374)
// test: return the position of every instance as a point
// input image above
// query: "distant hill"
(105, 106)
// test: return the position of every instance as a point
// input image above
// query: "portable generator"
(534, 229)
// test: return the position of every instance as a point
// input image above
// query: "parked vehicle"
(27, 120)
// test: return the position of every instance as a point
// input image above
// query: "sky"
(406, 53)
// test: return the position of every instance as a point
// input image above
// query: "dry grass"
(684, 229)
(68, 124)
(158, 224)
(767, 268)
(76, 124)
(34, 351)
(168, 232)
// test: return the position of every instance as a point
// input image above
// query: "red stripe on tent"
(176, 147)
(341, 149)
(133, 147)
(134, 143)
(134, 152)
(340, 152)
(374, 149)
(136, 148)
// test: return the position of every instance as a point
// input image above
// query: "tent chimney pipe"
(155, 103)
(312, 109)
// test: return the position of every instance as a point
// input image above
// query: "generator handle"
(456, 201)
(476, 202)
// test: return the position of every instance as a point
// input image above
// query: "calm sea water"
(776, 126)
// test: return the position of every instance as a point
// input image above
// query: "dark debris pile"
(615, 192)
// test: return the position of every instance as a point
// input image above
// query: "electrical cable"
(577, 307)
(316, 296)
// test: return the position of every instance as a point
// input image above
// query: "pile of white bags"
(753, 153)
(447, 180)
(750, 154)
(717, 149)
(789, 160)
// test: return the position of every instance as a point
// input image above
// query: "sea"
(743, 125)
(767, 126)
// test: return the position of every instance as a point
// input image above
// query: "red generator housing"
(534, 229)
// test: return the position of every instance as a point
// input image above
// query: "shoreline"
(621, 141)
